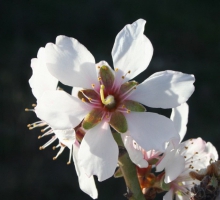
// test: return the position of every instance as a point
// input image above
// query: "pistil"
(110, 100)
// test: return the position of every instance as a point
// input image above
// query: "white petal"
(150, 130)
(41, 80)
(66, 137)
(61, 110)
(174, 167)
(211, 150)
(99, 152)
(132, 50)
(86, 184)
(167, 89)
(135, 155)
(71, 63)
(179, 116)
(168, 195)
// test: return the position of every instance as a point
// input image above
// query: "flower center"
(109, 101)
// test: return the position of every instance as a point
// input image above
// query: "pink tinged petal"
(118, 122)
(71, 63)
(168, 195)
(41, 80)
(92, 119)
(132, 50)
(135, 155)
(98, 152)
(179, 116)
(150, 130)
(86, 184)
(167, 89)
(61, 110)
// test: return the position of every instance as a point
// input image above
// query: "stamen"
(48, 143)
(45, 134)
(27, 110)
(42, 130)
(59, 152)
(126, 74)
(36, 124)
(70, 156)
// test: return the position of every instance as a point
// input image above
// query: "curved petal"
(71, 63)
(135, 155)
(150, 130)
(98, 152)
(167, 89)
(132, 51)
(179, 116)
(41, 80)
(86, 184)
(61, 110)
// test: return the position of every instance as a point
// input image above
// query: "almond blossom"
(107, 97)
(40, 82)
(178, 162)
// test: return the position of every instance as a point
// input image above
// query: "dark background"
(185, 36)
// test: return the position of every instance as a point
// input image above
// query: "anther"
(98, 67)
(28, 125)
(39, 137)
(54, 147)
(93, 85)
(116, 69)
(68, 162)
(122, 77)
(34, 105)
(128, 111)
(83, 100)
(54, 158)
(99, 78)
(41, 148)
(27, 109)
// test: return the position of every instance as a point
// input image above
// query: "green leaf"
(107, 77)
(119, 122)
(92, 119)
(134, 106)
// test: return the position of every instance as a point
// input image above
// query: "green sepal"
(152, 161)
(88, 93)
(127, 86)
(119, 122)
(118, 173)
(92, 119)
(107, 76)
(164, 186)
(134, 106)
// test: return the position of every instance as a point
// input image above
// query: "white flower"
(108, 98)
(40, 82)
(178, 162)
